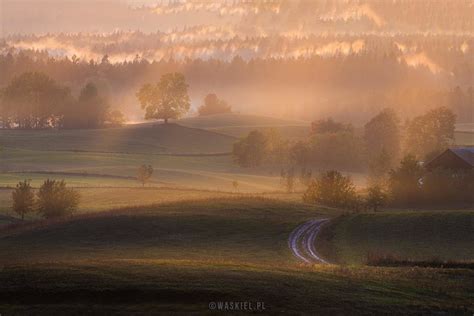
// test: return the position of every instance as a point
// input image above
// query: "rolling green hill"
(237, 120)
(236, 229)
(239, 125)
(140, 138)
(182, 256)
(414, 235)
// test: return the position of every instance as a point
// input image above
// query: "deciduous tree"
(168, 99)
(214, 105)
(23, 199)
(144, 174)
(55, 199)
(332, 189)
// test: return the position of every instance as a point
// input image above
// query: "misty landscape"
(199, 157)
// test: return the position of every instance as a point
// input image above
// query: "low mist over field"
(302, 157)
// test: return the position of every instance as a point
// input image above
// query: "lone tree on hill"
(55, 200)
(23, 199)
(168, 99)
(144, 174)
(214, 105)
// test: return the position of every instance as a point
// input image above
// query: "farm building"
(457, 158)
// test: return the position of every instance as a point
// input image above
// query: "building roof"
(465, 153)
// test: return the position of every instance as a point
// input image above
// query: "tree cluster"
(33, 100)
(382, 64)
(53, 199)
(214, 105)
(261, 148)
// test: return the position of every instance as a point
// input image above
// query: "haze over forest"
(293, 59)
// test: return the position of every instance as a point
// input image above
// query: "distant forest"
(313, 77)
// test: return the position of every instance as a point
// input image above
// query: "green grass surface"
(237, 120)
(141, 138)
(184, 287)
(415, 235)
(242, 229)
(101, 199)
(113, 169)
(293, 133)
(239, 125)
(116, 169)
(180, 256)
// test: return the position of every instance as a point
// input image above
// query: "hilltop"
(239, 125)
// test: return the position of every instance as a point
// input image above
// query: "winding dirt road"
(302, 241)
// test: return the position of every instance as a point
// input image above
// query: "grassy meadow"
(189, 237)
(188, 287)
(415, 235)
(180, 256)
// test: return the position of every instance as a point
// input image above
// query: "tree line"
(408, 185)
(315, 81)
(34, 100)
(53, 199)
(335, 145)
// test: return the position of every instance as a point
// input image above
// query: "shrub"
(376, 197)
(213, 105)
(144, 174)
(55, 200)
(23, 198)
(331, 189)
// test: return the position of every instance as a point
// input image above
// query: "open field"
(415, 235)
(238, 229)
(95, 199)
(150, 286)
(239, 125)
(181, 256)
(102, 198)
(237, 120)
(140, 138)
(93, 169)
(114, 169)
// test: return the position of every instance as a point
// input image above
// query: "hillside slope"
(140, 138)
(415, 235)
(235, 119)
(180, 257)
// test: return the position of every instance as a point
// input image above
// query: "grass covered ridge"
(242, 229)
